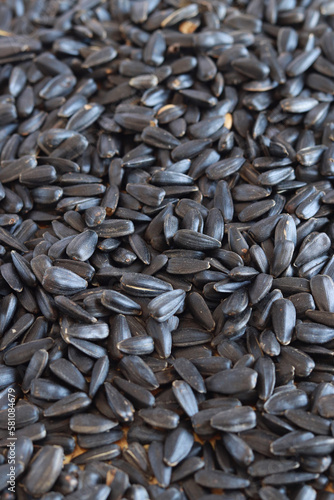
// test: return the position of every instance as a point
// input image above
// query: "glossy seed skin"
(48, 463)
(284, 319)
(61, 281)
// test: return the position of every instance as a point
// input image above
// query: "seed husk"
(160, 417)
(308, 421)
(177, 446)
(165, 305)
(161, 471)
(232, 381)
(66, 406)
(262, 468)
(314, 333)
(284, 319)
(185, 397)
(119, 303)
(69, 373)
(186, 238)
(278, 403)
(190, 374)
(143, 285)
(44, 470)
(82, 246)
(321, 288)
(323, 317)
(218, 479)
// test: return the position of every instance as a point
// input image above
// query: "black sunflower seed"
(279, 402)
(238, 449)
(218, 479)
(160, 417)
(186, 238)
(44, 470)
(161, 334)
(66, 406)
(185, 397)
(166, 304)
(283, 315)
(177, 446)
(61, 281)
(232, 381)
(159, 138)
(190, 374)
(120, 406)
(318, 445)
(24, 352)
(35, 368)
(82, 247)
(105, 452)
(321, 288)
(161, 471)
(119, 303)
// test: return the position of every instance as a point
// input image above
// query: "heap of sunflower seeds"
(166, 249)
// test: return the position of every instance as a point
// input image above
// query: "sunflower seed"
(47, 466)
(284, 319)
(177, 446)
(218, 479)
(289, 399)
(119, 303)
(232, 381)
(165, 305)
(62, 281)
(185, 397)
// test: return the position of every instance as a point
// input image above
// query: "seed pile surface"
(166, 246)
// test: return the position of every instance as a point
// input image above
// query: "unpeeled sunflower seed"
(59, 281)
